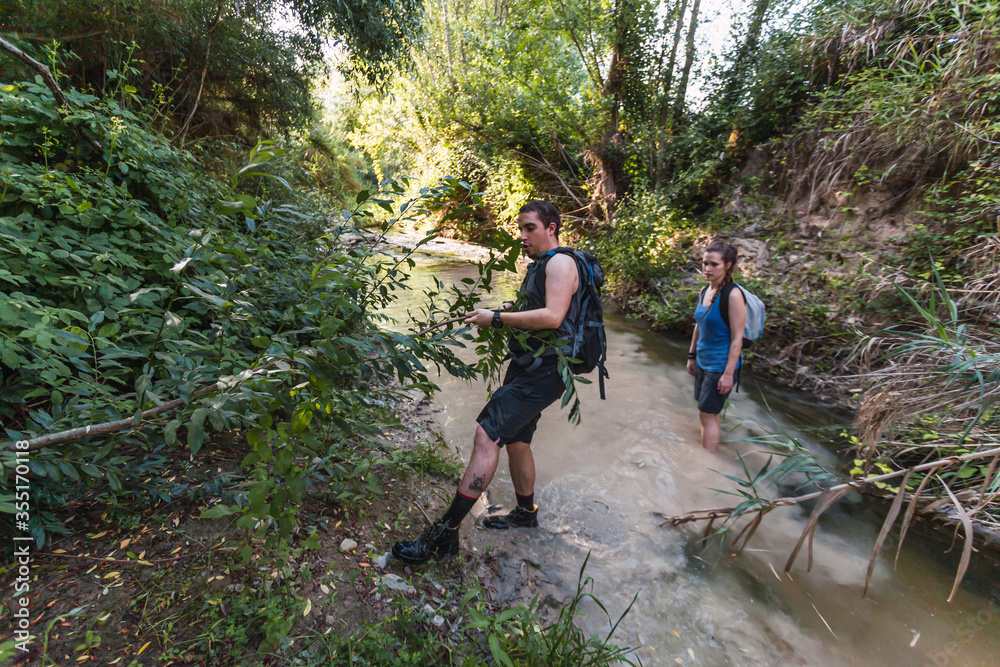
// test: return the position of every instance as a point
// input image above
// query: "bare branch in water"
(832, 494)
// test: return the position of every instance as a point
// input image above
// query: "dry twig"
(107, 428)
(439, 325)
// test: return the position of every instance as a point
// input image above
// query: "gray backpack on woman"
(756, 312)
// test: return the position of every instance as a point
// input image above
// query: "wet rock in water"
(347, 545)
(396, 583)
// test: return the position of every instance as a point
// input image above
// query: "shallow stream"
(600, 483)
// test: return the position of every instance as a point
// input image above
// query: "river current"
(600, 485)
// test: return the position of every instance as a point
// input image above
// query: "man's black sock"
(526, 502)
(459, 508)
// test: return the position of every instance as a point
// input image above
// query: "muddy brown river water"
(599, 484)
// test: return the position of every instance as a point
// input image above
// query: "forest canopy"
(216, 67)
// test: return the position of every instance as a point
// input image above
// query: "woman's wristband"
(692, 355)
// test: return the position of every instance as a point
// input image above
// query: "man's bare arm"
(561, 282)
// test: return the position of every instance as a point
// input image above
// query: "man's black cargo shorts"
(512, 414)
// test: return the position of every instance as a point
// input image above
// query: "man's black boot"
(516, 518)
(438, 541)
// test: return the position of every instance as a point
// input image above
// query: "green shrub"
(648, 239)
(513, 637)
(131, 279)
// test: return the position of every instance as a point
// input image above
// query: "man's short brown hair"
(547, 212)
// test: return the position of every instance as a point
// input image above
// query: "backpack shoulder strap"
(540, 263)
(561, 250)
(724, 300)
(582, 265)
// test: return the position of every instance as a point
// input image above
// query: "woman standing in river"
(714, 355)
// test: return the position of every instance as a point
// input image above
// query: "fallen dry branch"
(832, 494)
(445, 322)
(107, 428)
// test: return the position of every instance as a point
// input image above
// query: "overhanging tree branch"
(107, 428)
(50, 81)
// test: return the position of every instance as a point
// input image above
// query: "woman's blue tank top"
(713, 338)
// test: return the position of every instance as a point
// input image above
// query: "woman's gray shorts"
(706, 390)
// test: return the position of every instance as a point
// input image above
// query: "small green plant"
(515, 638)
(91, 641)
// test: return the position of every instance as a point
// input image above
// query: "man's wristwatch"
(497, 320)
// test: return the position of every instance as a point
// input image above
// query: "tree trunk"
(688, 62)
(734, 86)
(668, 80)
(608, 180)
(182, 132)
(447, 37)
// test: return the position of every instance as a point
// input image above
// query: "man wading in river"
(532, 384)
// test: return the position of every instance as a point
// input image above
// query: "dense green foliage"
(132, 281)
(188, 323)
(501, 97)
(583, 103)
(849, 149)
(511, 637)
